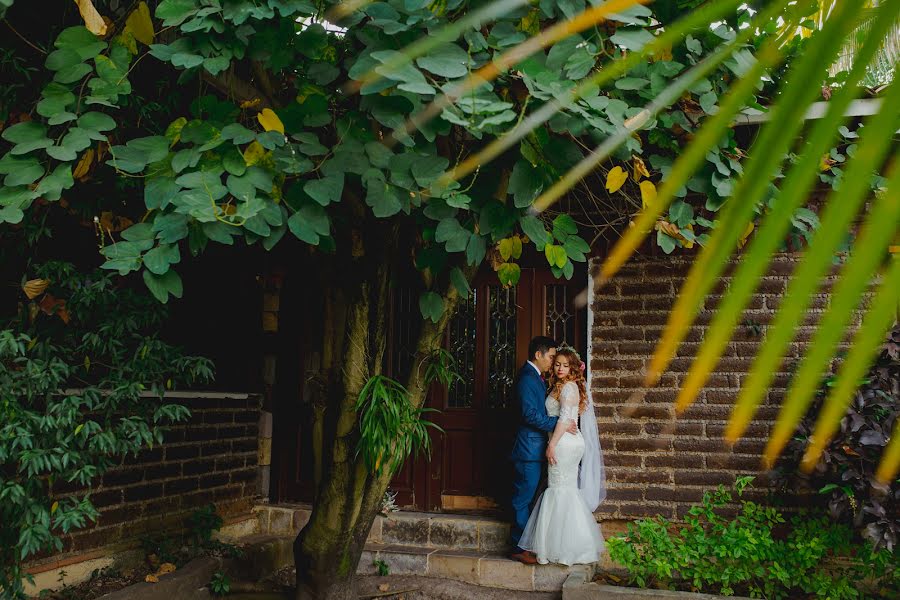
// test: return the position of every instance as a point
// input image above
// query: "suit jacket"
(534, 423)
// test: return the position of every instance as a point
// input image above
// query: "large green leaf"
(525, 183)
(447, 60)
(80, 40)
(20, 171)
(325, 190)
(159, 259)
(432, 306)
(51, 186)
(161, 286)
(451, 233)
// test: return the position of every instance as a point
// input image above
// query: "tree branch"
(262, 76)
(236, 88)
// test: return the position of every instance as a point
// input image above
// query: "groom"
(531, 439)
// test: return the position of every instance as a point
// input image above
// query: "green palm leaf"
(776, 224)
(869, 251)
(866, 344)
(774, 141)
(840, 210)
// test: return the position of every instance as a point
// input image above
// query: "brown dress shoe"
(527, 558)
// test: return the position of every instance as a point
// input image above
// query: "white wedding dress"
(561, 528)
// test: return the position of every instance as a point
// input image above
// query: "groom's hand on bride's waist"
(573, 428)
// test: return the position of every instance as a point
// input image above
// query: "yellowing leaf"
(254, 153)
(668, 228)
(173, 131)
(531, 23)
(92, 19)
(307, 90)
(664, 53)
(151, 579)
(54, 507)
(509, 274)
(510, 247)
(270, 121)
(250, 103)
(556, 255)
(165, 568)
(35, 287)
(84, 165)
(743, 240)
(140, 24)
(688, 242)
(648, 193)
(126, 38)
(615, 179)
(516, 247)
(640, 169)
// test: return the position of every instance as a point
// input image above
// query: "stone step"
(466, 548)
(427, 530)
(469, 566)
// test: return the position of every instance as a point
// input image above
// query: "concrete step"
(428, 530)
(468, 566)
(466, 548)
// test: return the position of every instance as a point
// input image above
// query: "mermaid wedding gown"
(561, 528)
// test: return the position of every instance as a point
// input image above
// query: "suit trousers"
(525, 485)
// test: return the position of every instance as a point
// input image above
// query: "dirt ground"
(412, 587)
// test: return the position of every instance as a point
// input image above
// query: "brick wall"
(210, 458)
(657, 464)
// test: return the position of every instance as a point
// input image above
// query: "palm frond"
(776, 224)
(840, 209)
(868, 254)
(771, 147)
(866, 344)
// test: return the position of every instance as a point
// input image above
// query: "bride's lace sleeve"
(569, 399)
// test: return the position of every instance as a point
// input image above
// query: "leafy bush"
(84, 376)
(220, 585)
(845, 474)
(751, 554)
(204, 522)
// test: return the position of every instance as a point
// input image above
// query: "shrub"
(84, 376)
(845, 474)
(744, 554)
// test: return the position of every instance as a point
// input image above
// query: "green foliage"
(749, 554)
(220, 172)
(84, 375)
(383, 568)
(441, 366)
(203, 523)
(845, 473)
(220, 584)
(391, 428)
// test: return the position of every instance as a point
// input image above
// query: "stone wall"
(657, 464)
(210, 458)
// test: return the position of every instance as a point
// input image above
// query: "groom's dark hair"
(541, 344)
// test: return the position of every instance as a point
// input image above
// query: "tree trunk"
(348, 497)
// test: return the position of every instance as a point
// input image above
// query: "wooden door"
(488, 338)
(468, 467)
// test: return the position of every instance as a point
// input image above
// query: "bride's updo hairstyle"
(576, 374)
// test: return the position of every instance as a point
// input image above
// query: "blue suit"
(531, 443)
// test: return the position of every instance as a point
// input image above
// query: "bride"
(561, 528)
